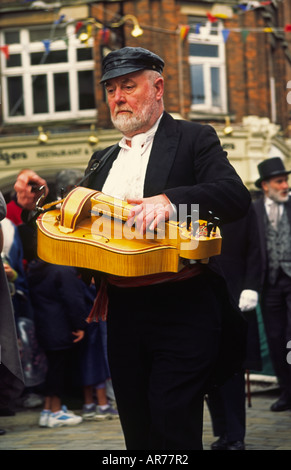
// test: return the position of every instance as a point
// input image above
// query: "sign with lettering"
(39, 156)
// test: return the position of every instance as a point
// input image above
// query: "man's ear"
(159, 85)
(264, 185)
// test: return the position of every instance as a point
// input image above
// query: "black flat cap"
(128, 60)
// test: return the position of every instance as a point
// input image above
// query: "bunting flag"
(211, 18)
(225, 34)
(78, 25)
(47, 45)
(184, 30)
(104, 35)
(244, 34)
(89, 29)
(5, 50)
(60, 19)
(243, 7)
(197, 28)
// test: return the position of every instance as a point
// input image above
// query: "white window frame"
(27, 71)
(204, 37)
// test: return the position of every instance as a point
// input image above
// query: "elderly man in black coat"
(166, 337)
(273, 212)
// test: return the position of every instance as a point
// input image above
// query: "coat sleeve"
(216, 185)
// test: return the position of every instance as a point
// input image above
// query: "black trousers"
(163, 343)
(58, 361)
(228, 410)
(276, 312)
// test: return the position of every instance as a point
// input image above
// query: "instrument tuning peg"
(216, 222)
(191, 219)
(210, 226)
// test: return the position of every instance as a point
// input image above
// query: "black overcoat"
(260, 210)
(188, 164)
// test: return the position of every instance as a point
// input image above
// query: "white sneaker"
(43, 418)
(63, 418)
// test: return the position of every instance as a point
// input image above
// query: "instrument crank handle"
(41, 197)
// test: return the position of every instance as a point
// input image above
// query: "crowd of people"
(168, 342)
(50, 321)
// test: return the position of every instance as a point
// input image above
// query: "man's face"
(277, 188)
(135, 101)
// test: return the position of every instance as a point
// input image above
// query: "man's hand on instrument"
(27, 188)
(149, 212)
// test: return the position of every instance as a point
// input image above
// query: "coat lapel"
(162, 156)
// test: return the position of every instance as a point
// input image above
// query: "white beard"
(277, 196)
(129, 124)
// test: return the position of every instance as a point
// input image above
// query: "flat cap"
(128, 60)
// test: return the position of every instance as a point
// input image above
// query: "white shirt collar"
(268, 203)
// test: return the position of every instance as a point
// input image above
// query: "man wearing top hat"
(168, 335)
(274, 221)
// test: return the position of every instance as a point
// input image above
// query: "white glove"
(248, 300)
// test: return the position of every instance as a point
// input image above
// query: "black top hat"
(128, 60)
(269, 168)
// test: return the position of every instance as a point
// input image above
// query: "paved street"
(266, 430)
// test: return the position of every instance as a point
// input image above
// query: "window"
(48, 75)
(207, 67)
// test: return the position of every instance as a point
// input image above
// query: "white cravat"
(126, 177)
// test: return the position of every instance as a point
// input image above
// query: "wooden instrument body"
(90, 231)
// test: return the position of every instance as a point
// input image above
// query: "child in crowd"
(60, 313)
(94, 369)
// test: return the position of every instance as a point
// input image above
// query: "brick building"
(245, 53)
(224, 61)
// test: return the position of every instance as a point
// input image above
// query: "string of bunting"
(250, 5)
(184, 30)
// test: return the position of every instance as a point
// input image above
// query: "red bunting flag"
(5, 50)
(79, 25)
(287, 28)
(211, 18)
(104, 35)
